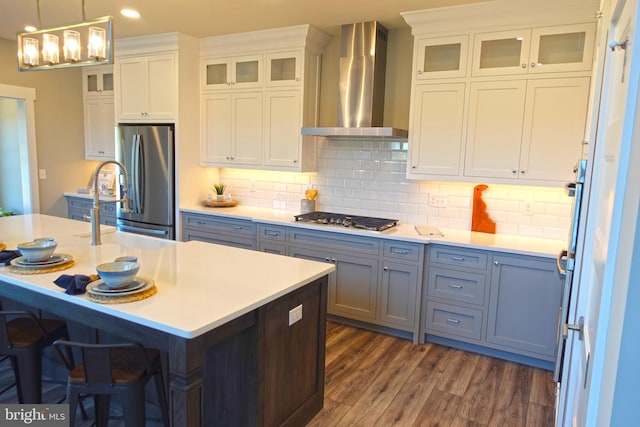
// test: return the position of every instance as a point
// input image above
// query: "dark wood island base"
(256, 370)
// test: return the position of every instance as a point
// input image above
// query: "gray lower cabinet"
(239, 233)
(376, 281)
(457, 293)
(353, 287)
(272, 239)
(79, 208)
(523, 306)
(504, 305)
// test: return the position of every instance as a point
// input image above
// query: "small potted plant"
(219, 189)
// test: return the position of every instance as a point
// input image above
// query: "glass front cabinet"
(283, 69)
(538, 50)
(443, 57)
(232, 73)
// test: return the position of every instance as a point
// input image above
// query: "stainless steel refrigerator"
(147, 152)
(566, 267)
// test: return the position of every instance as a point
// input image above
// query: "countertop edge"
(529, 246)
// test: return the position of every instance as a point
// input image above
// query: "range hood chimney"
(363, 57)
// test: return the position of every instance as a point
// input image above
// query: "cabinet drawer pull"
(457, 258)
(237, 227)
(201, 222)
(272, 233)
(401, 251)
(455, 286)
(456, 321)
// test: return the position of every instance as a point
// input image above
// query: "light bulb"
(50, 49)
(72, 46)
(97, 43)
(30, 52)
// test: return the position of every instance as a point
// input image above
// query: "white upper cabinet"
(527, 130)
(284, 69)
(232, 73)
(442, 57)
(97, 81)
(147, 88)
(99, 112)
(437, 129)
(500, 90)
(538, 50)
(255, 104)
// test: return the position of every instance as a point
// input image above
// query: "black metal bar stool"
(113, 369)
(23, 337)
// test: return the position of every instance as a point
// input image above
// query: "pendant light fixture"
(84, 43)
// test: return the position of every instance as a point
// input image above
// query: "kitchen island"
(221, 316)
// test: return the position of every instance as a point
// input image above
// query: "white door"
(591, 363)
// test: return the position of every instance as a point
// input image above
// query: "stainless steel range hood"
(363, 56)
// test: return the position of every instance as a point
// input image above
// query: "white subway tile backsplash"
(368, 178)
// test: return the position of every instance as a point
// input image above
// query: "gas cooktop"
(331, 218)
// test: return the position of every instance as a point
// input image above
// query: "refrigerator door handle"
(135, 173)
(142, 230)
(142, 174)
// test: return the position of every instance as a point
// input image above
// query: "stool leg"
(162, 397)
(29, 376)
(72, 398)
(133, 406)
(102, 402)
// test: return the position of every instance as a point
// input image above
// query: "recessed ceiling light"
(130, 13)
(30, 28)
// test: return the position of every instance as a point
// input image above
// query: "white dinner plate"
(55, 259)
(139, 284)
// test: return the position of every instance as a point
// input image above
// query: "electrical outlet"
(438, 200)
(42, 173)
(527, 207)
(295, 314)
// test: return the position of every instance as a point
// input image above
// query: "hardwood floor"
(378, 380)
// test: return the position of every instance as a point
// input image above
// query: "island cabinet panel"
(224, 231)
(292, 357)
(524, 303)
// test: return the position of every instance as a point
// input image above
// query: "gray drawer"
(272, 233)
(335, 241)
(450, 255)
(456, 285)
(403, 251)
(215, 224)
(77, 203)
(452, 320)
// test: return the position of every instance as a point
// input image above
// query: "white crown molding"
(503, 14)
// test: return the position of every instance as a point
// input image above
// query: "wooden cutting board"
(480, 220)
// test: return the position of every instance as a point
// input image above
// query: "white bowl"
(38, 250)
(118, 274)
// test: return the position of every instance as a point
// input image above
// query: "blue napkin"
(7, 256)
(74, 284)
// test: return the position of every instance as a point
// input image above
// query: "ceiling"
(203, 18)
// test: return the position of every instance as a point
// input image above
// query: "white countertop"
(90, 196)
(463, 238)
(200, 285)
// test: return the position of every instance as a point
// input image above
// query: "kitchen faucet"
(95, 210)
